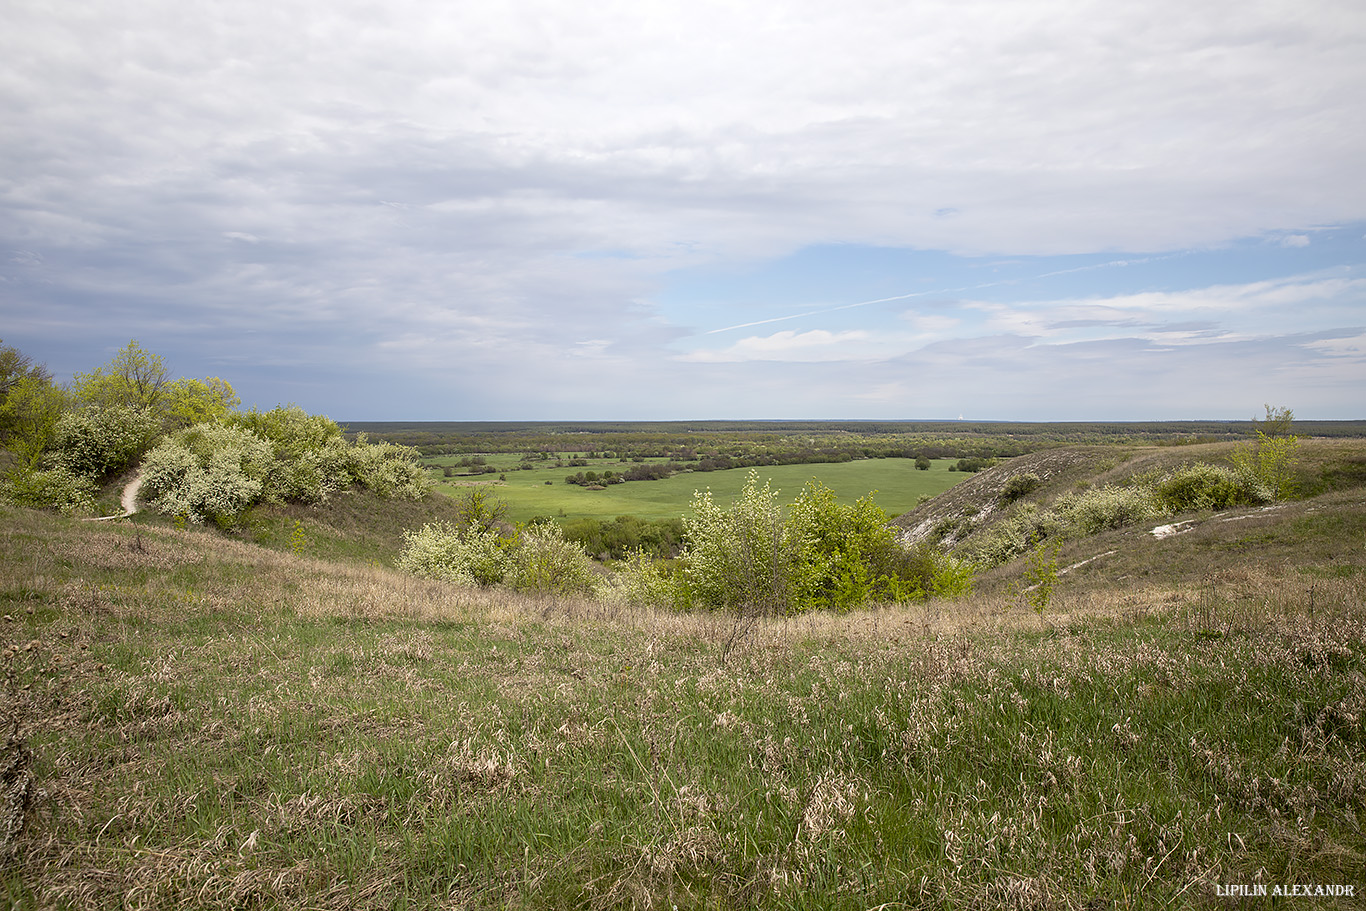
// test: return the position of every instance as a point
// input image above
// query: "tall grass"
(215, 725)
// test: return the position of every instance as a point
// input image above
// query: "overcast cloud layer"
(551, 210)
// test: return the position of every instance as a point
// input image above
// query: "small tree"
(1271, 462)
(135, 378)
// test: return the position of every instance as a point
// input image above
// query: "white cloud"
(815, 345)
(416, 183)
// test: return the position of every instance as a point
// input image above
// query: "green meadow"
(895, 485)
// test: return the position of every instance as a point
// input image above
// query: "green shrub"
(823, 555)
(207, 473)
(52, 488)
(99, 440)
(1102, 508)
(738, 558)
(440, 550)
(1268, 467)
(542, 562)
(312, 458)
(1205, 486)
(1018, 486)
(389, 470)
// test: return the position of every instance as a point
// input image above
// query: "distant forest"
(736, 444)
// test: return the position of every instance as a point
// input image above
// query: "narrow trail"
(129, 500)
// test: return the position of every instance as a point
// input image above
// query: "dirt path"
(129, 501)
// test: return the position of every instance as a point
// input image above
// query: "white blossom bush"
(1103, 508)
(207, 473)
(440, 550)
(542, 562)
(99, 440)
(389, 469)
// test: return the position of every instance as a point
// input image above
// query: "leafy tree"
(1271, 462)
(135, 378)
(16, 366)
(29, 413)
(189, 401)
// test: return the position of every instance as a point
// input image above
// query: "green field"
(896, 486)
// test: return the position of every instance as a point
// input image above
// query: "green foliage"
(1019, 485)
(1096, 510)
(298, 540)
(1269, 465)
(29, 413)
(53, 488)
(441, 550)
(388, 469)
(475, 550)
(207, 473)
(135, 378)
(1041, 574)
(625, 535)
(1204, 486)
(751, 559)
(738, 559)
(479, 511)
(312, 458)
(189, 401)
(99, 440)
(541, 561)
(847, 555)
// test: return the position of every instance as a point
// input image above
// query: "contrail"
(902, 297)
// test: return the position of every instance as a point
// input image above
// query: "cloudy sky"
(647, 209)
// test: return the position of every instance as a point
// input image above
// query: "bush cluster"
(1194, 487)
(536, 559)
(100, 440)
(755, 558)
(213, 472)
(619, 538)
(49, 488)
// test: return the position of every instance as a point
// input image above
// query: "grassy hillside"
(209, 722)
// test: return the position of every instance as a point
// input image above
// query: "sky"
(443, 210)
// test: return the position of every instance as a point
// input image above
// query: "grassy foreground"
(212, 724)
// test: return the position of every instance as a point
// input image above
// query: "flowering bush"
(208, 472)
(101, 439)
(440, 550)
(388, 469)
(543, 562)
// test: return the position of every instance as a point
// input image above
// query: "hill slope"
(1322, 535)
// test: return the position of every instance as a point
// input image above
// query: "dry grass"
(211, 724)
